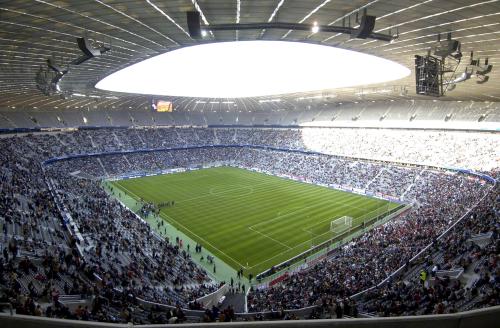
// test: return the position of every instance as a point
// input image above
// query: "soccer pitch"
(249, 219)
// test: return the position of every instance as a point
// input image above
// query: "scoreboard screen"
(162, 105)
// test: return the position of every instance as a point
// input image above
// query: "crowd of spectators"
(428, 188)
(123, 248)
(117, 261)
(472, 247)
(108, 254)
(440, 199)
(472, 150)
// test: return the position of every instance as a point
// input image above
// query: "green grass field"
(249, 219)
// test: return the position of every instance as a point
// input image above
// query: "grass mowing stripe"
(248, 217)
(197, 237)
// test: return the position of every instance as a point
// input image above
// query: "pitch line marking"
(298, 245)
(164, 214)
(300, 208)
(220, 193)
(241, 265)
(177, 222)
(308, 229)
(263, 234)
(279, 216)
(127, 190)
(267, 260)
(223, 192)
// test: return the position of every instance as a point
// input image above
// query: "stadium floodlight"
(429, 75)
(365, 30)
(341, 225)
(315, 28)
(251, 69)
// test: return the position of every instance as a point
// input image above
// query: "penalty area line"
(263, 234)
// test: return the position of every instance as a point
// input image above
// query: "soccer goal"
(341, 225)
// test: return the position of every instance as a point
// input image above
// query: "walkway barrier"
(471, 319)
(213, 299)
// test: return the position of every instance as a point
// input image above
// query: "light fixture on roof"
(315, 27)
(321, 96)
(364, 31)
(262, 101)
(446, 48)
(203, 33)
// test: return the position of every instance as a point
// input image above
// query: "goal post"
(341, 225)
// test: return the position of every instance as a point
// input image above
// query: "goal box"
(341, 225)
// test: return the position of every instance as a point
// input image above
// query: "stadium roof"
(33, 30)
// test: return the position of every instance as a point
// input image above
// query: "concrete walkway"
(236, 301)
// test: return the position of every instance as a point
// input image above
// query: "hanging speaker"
(365, 27)
(193, 21)
(86, 47)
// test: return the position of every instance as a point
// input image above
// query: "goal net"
(341, 225)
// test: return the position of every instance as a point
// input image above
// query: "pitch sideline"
(180, 224)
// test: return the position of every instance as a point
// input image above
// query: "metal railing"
(470, 319)
(9, 306)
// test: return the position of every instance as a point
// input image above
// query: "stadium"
(249, 163)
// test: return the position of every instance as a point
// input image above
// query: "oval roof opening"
(251, 69)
